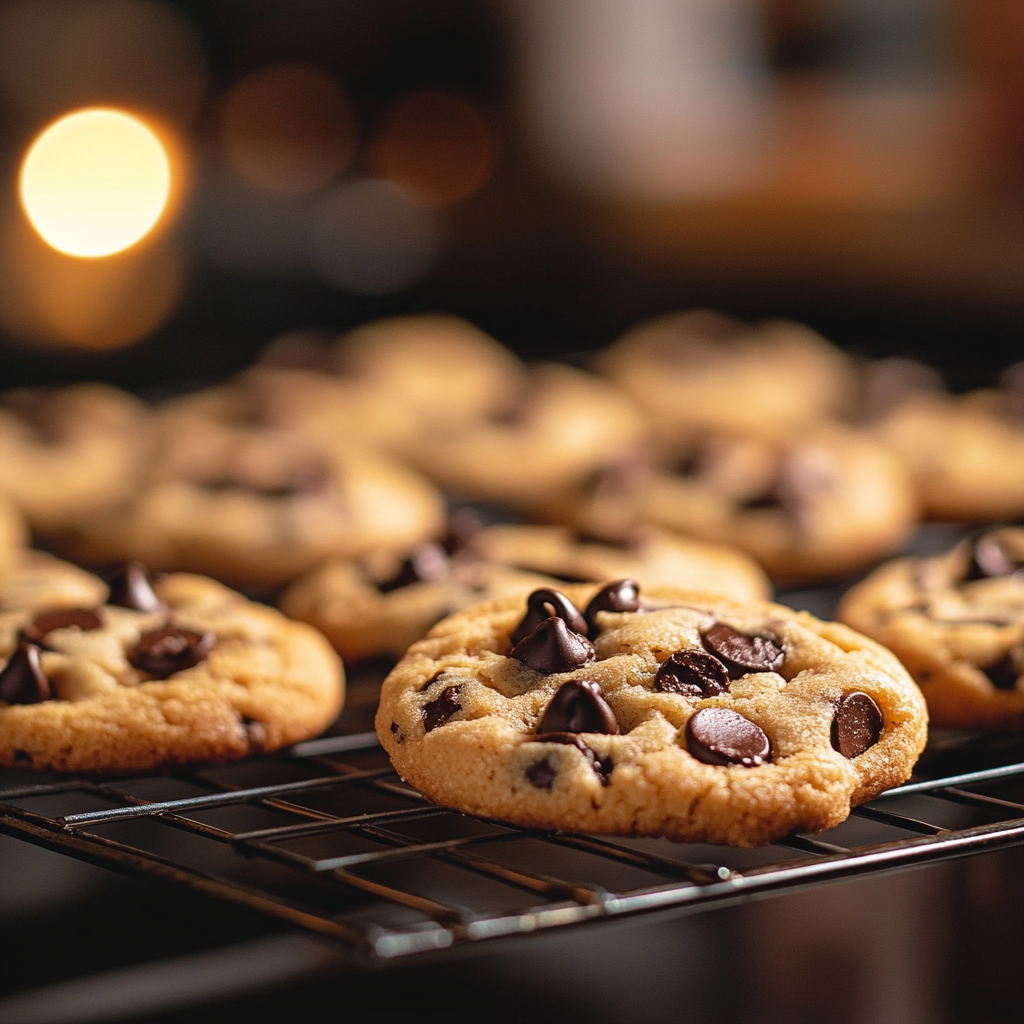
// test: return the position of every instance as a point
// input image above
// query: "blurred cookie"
(381, 605)
(702, 370)
(550, 433)
(957, 622)
(257, 506)
(196, 674)
(13, 534)
(70, 453)
(683, 715)
(651, 556)
(815, 504)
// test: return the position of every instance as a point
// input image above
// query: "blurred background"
(554, 170)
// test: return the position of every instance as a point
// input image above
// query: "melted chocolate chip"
(437, 711)
(132, 588)
(427, 564)
(552, 647)
(1004, 673)
(162, 652)
(541, 773)
(742, 653)
(857, 724)
(602, 765)
(720, 736)
(22, 680)
(45, 623)
(578, 706)
(989, 559)
(692, 673)
(620, 596)
(22, 756)
(542, 604)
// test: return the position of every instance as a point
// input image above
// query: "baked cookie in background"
(550, 433)
(652, 556)
(35, 579)
(812, 504)
(705, 371)
(651, 712)
(71, 453)
(184, 671)
(956, 620)
(13, 534)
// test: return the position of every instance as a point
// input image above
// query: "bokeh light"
(372, 237)
(288, 128)
(439, 145)
(95, 182)
(56, 55)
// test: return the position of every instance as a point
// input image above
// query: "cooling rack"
(327, 836)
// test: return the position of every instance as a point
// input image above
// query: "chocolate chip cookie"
(957, 622)
(185, 670)
(654, 711)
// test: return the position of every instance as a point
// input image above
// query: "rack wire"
(328, 837)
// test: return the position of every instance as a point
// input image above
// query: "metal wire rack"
(327, 836)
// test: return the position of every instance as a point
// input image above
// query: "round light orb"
(95, 182)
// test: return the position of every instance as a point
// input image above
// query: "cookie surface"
(699, 718)
(197, 673)
(956, 621)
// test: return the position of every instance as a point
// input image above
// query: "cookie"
(680, 714)
(702, 370)
(814, 504)
(551, 433)
(183, 671)
(652, 556)
(380, 605)
(956, 621)
(257, 505)
(72, 453)
(35, 579)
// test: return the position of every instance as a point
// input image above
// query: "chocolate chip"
(162, 652)
(553, 647)
(720, 736)
(542, 604)
(22, 680)
(620, 596)
(578, 706)
(437, 711)
(463, 526)
(45, 623)
(1004, 673)
(602, 765)
(541, 773)
(692, 673)
(22, 756)
(989, 559)
(132, 588)
(427, 564)
(742, 652)
(255, 732)
(396, 731)
(857, 724)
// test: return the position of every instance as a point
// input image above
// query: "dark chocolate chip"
(602, 765)
(541, 773)
(542, 604)
(22, 756)
(553, 647)
(988, 559)
(427, 564)
(720, 736)
(22, 680)
(437, 711)
(579, 706)
(742, 653)
(857, 724)
(463, 526)
(133, 588)
(693, 673)
(162, 652)
(1004, 673)
(620, 596)
(45, 623)
(255, 732)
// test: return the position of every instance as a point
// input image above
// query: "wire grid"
(327, 836)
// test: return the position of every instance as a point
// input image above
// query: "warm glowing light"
(95, 182)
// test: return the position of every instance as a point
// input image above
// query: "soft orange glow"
(289, 128)
(95, 182)
(438, 145)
